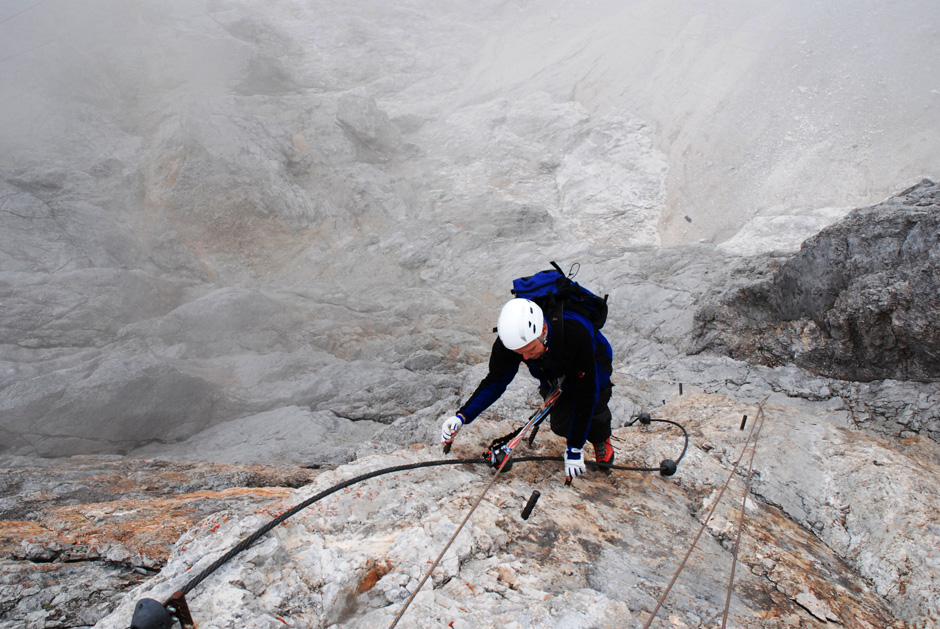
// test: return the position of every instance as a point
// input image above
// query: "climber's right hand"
(451, 427)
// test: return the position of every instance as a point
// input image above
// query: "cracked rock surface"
(857, 302)
(250, 250)
(598, 553)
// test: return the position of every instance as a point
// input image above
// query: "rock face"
(858, 302)
(75, 532)
(238, 233)
(281, 224)
(267, 221)
(822, 542)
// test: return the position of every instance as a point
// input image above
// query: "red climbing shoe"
(604, 453)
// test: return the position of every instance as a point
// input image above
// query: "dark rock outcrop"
(857, 302)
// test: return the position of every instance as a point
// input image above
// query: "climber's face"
(536, 349)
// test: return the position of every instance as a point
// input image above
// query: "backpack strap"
(555, 315)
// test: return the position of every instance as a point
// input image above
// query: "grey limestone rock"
(857, 302)
(599, 553)
(281, 231)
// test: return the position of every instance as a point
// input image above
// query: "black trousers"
(560, 417)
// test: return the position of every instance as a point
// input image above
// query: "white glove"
(574, 462)
(451, 427)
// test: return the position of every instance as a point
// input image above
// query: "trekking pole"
(534, 420)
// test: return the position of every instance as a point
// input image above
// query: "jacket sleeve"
(581, 381)
(504, 364)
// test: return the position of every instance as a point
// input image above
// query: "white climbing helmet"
(520, 323)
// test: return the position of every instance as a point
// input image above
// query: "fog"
(761, 109)
(226, 210)
(279, 232)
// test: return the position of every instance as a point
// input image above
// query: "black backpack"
(555, 293)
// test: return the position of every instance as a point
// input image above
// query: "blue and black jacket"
(581, 354)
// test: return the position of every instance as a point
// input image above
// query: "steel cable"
(711, 512)
(251, 539)
(747, 490)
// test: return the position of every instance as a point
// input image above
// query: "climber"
(582, 356)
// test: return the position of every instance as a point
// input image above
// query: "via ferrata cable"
(534, 420)
(747, 492)
(752, 435)
(177, 605)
